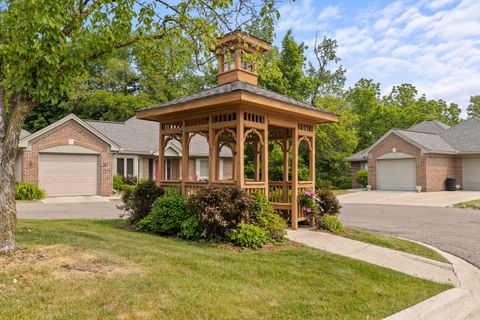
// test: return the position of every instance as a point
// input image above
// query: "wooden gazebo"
(246, 119)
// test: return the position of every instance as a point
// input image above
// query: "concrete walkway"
(407, 198)
(460, 303)
(395, 260)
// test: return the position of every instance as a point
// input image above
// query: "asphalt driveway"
(408, 198)
(87, 210)
(456, 231)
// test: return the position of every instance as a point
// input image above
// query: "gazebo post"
(265, 159)
(240, 146)
(212, 153)
(295, 177)
(185, 157)
(285, 149)
(161, 159)
(312, 163)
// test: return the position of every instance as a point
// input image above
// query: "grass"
(394, 243)
(339, 192)
(468, 204)
(80, 269)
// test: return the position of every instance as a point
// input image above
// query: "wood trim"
(240, 146)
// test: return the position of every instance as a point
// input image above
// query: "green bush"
(362, 177)
(331, 223)
(249, 236)
(264, 216)
(138, 200)
(117, 182)
(328, 202)
(167, 215)
(190, 228)
(28, 191)
(219, 210)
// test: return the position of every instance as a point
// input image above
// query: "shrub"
(327, 202)
(130, 180)
(362, 177)
(249, 236)
(28, 191)
(167, 215)
(138, 200)
(331, 223)
(190, 228)
(117, 182)
(264, 216)
(219, 210)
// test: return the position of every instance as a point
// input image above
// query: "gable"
(393, 143)
(66, 129)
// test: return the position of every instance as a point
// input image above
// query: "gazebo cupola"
(235, 126)
(236, 55)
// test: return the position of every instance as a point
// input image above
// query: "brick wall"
(387, 146)
(356, 166)
(438, 169)
(60, 136)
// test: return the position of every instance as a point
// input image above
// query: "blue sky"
(434, 44)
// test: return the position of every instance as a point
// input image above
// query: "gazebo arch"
(231, 113)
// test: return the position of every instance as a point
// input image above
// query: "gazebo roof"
(235, 87)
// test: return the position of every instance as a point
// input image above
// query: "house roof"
(71, 117)
(24, 134)
(236, 86)
(198, 147)
(436, 137)
(465, 136)
(430, 126)
(361, 155)
(133, 136)
(142, 137)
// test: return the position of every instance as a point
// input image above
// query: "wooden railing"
(279, 192)
(192, 187)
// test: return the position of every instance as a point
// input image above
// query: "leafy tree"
(44, 45)
(326, 81)
(285, 70)
(473, 109)
(335, 142)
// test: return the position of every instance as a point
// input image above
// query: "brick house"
(424, 155)
(73, 157)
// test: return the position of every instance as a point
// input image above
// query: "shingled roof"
(237, 86)
(137, 136)
(436, 137)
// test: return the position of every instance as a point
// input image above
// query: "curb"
(448, 305)
(455, 304)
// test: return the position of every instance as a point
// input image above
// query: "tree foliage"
(473, 108)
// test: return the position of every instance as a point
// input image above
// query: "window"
(202, 169)
(169, 169)
(247, 66)
(129, 167)
(150, 169)
(121, 166)
(364, 166)
(228, 63)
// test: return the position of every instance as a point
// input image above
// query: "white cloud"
(434, 45)
(440, 3)
(304, 16)
(329, 13)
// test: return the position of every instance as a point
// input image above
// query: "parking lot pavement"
(89, 210)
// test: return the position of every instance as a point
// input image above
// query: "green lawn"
(339, 192)
(78, 269)
(393, 243)
(468, 204)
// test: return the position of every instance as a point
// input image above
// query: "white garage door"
(471, 174)
(68, 174)
(396, 174)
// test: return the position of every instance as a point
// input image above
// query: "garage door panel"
(471, 174)
(68, 174)
(396, 174)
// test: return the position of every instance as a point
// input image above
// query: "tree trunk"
(10, 127)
